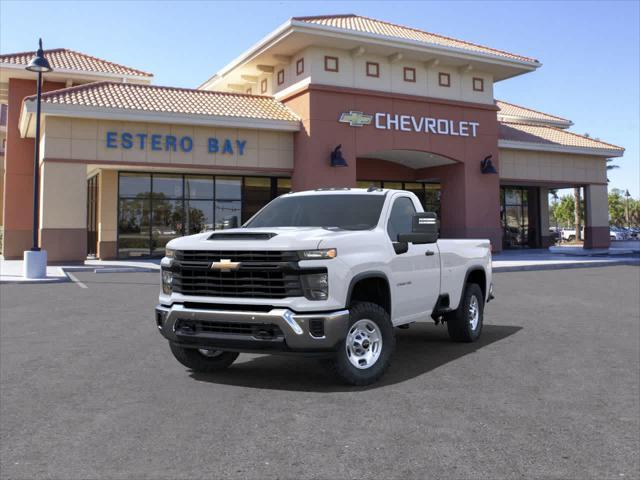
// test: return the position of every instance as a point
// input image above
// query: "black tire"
(198, 362)
(342, 365)
(459, 321)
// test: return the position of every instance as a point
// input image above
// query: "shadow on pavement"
(419, 350)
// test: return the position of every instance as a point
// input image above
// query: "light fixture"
(39, 62)
(486, 166)
(337, 160)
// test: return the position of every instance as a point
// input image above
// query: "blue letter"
(213, 145)
(142, 137)
(126, 140)
(170, 143)
(186, 144)
(111, 140)
(241, 145)
(227, 147)
(155, 142)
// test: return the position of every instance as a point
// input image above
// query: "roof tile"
(379, 27)
(65, 59)
(152, 98)
(517, 132)
(512, 110)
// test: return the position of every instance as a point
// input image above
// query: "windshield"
(348, 212)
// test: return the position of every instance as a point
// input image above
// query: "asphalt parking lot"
(89, 389)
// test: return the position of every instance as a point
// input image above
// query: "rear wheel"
(365, 353)
(465, 324)
(202, 359)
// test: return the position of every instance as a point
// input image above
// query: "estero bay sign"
(411, 123)
(171, 143)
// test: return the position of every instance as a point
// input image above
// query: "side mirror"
(424, 229)
(400, 247)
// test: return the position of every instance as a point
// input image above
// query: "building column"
(596, 216)
(63, 211)
(546, 240)
(107, 214)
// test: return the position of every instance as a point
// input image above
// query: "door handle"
(429, 253)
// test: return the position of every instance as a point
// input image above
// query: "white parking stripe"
(75, 280)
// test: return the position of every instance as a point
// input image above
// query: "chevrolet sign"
(225, 265)
(355, 119)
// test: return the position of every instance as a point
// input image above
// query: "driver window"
(401, 218)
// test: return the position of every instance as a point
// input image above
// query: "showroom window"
(427, 193)
(155, 208)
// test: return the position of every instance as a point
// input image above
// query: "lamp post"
(626, 208)
(35, 260)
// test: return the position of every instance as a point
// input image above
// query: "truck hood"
(279, 238)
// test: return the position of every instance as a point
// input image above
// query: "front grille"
(262, 274)
(264, 331)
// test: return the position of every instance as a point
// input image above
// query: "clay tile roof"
(517, 132)
(370, 25)
(65, 59)
(151, 98)
(513, 110)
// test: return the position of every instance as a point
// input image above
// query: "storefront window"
(427, 193)
(519, 219)
(155, 208)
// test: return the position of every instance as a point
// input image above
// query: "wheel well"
(478, 277)
(374, 290)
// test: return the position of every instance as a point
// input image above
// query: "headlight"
(324, 254)
(167, 281)
(169, 252)
(315, 286)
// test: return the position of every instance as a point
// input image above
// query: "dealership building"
(330, 101)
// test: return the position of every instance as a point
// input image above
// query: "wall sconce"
(486, 166)
(337, 160)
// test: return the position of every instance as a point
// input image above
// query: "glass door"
(92, 216)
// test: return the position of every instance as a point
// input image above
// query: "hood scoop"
(242, 236)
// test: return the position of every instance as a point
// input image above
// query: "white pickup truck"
(327, 273)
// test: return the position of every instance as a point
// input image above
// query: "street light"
(35, 260)
(626, 208)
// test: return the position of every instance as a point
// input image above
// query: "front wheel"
(203, 360)
(365, 353)
(465, 323)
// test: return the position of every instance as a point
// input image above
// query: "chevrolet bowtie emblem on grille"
(225, 265)
(356, 119)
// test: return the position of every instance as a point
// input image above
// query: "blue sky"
(589, 50)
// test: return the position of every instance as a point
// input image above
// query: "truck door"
(415, 282)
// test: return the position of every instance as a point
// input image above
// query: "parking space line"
(75, 280)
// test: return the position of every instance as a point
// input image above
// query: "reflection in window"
(198, 188)
(228, 188)
(256, 194)
(199, 216)
(227, 214)
(283, 186)
(133, 227)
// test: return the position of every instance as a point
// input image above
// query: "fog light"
(167, 281)
(316, 286)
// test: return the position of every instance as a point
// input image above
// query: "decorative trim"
(263, 86)
(385, 95)
(373, 69)
(327, 63)
(248, 91)
(300, 66)
(409, 74)
(280, 77)
(444, 79)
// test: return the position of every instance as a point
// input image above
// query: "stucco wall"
(352, 73)
(551, 167)
(85, 140)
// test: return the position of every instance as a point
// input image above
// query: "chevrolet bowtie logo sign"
(355, 119)
(225, 265)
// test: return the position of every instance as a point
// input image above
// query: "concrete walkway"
(507, 261)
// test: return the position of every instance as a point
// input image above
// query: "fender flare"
(363, 276)
(477, 268)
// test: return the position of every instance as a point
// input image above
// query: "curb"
(565, 266)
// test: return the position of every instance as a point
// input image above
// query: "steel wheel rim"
(363, 344)
(474, 312)
(209, 353)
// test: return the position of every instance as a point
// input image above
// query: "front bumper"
(276, 330)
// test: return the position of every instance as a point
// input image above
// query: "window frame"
(263, 85)
(407, 70)
(395, 201)
(377, 67)
(280, 76)
(300, 66)
(480, 82)
(444, 83)
(327, 59)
